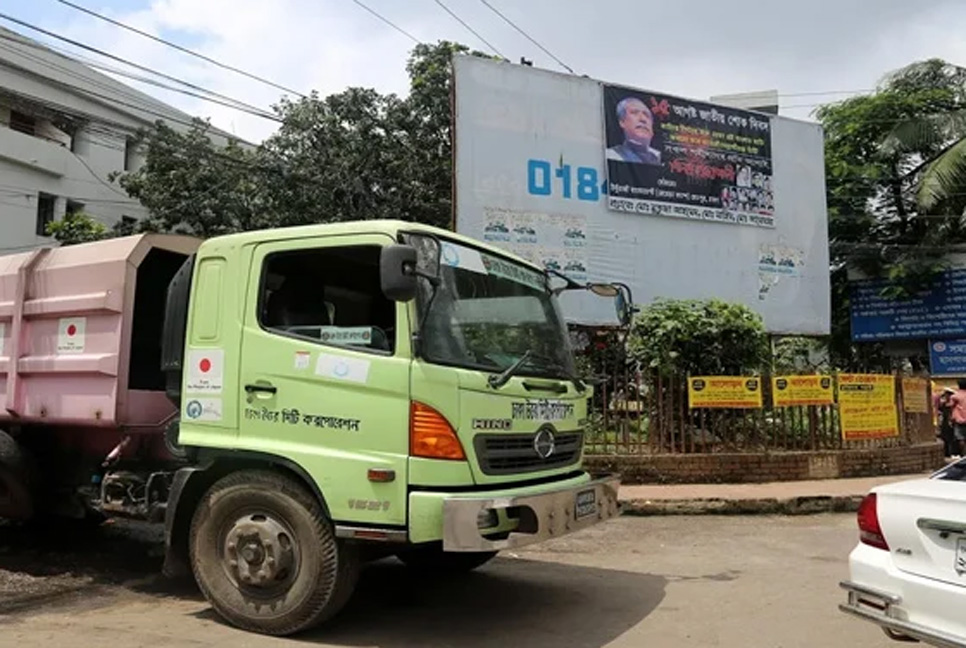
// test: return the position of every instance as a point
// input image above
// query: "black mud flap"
(177, 520)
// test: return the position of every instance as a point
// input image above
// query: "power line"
(470, 29)
(528, 37)
(121, 90)
(244, 107)
(180, 48)
(388, 22)
(241, 105)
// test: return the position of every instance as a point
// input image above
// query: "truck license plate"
(960, 565)
(586, 504)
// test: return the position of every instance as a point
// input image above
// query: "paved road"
(668, 581)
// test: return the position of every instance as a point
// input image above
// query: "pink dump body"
(66, 331)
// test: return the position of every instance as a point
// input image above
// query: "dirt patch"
(43, 564)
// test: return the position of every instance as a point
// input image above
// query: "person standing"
(957, 403)
(944, 417)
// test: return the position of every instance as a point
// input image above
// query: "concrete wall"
(31, 165)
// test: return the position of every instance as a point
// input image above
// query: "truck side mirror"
(397, 272)
(623, 304)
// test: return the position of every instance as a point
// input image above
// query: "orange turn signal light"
(431, 436)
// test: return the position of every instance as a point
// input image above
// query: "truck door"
(324, 376)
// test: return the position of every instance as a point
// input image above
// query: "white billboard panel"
(735, 212)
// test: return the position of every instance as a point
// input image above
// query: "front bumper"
(543, 515)
(879, 607)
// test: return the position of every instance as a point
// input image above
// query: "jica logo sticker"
(194, 410)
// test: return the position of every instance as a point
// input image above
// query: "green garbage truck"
(295, 402)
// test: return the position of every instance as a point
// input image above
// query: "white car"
(908, 572)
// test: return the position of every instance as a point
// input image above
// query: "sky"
(810, 52)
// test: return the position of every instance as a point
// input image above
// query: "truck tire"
(432, 560)
(266, 557)
(16, 497)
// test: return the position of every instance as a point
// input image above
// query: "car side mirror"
(397, 272)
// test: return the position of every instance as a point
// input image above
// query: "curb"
(767, 506)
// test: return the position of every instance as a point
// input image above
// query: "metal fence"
(637, 413)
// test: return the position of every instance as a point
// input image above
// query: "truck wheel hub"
(259, 552)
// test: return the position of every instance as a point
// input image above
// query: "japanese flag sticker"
(71, 334)
(206, 371)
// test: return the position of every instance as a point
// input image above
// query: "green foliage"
(191, 187)
(799, 355)
(877, 147)
(77, 227)
(699, 337)
(354, 155)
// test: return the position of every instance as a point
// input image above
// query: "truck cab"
(367, 389)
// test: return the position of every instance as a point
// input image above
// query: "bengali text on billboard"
(724, 392)
(687, 159)
(915, 395)
(792, 391)
(867, 406)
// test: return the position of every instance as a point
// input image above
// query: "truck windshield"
(488, 312)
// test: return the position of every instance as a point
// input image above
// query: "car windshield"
(488, 312)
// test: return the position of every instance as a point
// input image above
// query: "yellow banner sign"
(867, 405)
(915, 395)
(790, 391)
(724, 392)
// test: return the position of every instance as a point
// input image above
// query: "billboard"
(947, 357)
(687, 159)
(937, 312)
(717, 203)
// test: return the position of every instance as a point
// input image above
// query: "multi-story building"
(64, 130)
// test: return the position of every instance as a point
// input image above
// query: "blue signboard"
(947, 357)
(939, 312)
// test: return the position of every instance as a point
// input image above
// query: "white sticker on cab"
(206, 371)
(302, 360)
(342, 368)
(203, 409)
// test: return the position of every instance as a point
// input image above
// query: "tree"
(189, 186)
(699, 338)
(354, 155)
(77, 227)
(876, 224)
(941, 135)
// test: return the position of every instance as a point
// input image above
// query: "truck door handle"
(268, 389)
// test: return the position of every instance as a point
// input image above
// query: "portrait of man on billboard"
(637, 123)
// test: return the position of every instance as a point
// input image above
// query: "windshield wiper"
(498, 380)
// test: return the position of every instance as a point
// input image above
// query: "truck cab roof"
(388, 227)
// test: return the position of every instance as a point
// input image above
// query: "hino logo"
(544, 443)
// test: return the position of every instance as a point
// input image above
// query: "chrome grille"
(507, 454)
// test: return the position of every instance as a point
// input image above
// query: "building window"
(130, 150)
(329, 295)
(74, 207)
(45, 212)
(23, 123)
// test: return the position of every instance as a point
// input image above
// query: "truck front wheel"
(265, 556)
(433, 560)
